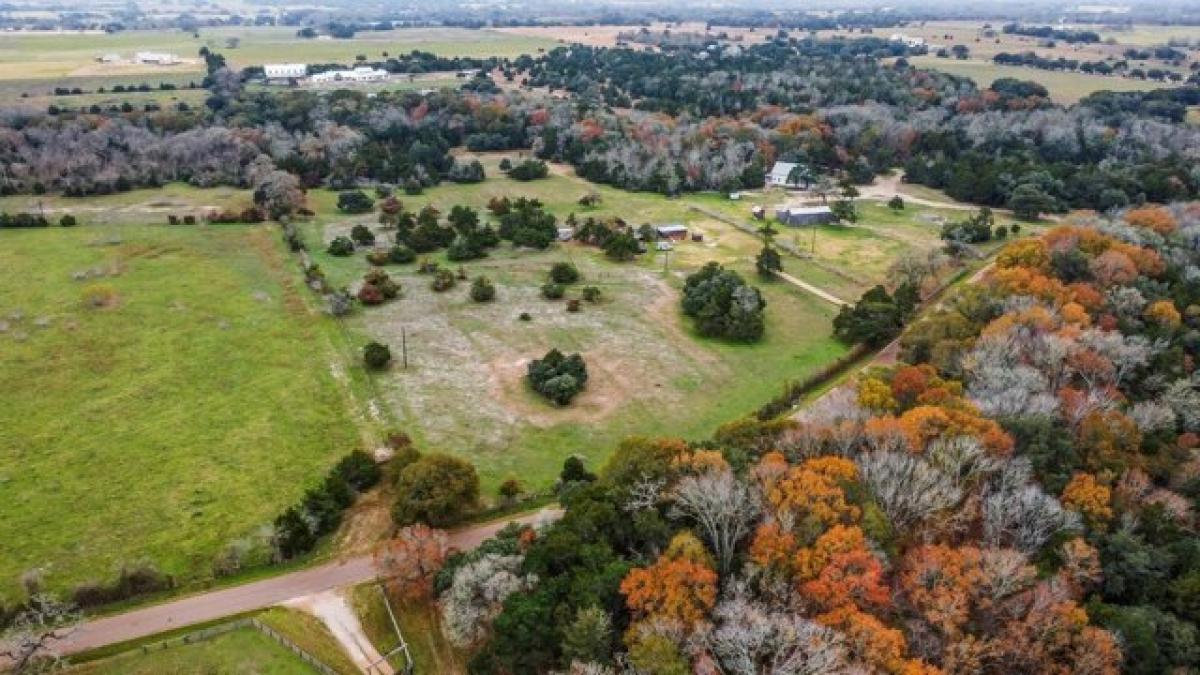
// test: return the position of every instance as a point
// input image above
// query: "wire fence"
(211, 632)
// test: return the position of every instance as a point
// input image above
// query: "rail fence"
(211, 632)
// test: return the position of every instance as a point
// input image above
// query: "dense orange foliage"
(811, 495)
(1031, 253)
(1164, 314)
(1091, 499)
(1154, 218)
(676, 590)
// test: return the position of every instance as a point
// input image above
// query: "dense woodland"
(1018, 496)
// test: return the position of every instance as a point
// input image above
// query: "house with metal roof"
(781, 175)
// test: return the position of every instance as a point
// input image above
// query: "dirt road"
(824, 295)
(257, 595)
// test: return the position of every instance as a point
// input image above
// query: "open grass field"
(25, 56)
(1064, 87)
(650, 374)
(187, 412)
(241, 652)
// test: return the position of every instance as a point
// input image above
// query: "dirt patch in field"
(465, 385)
(607, 387)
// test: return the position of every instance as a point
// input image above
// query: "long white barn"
(359, 74)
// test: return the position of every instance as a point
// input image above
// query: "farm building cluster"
(292, 73)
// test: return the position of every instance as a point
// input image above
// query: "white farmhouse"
(781, 175)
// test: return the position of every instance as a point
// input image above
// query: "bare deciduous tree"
(722, 506)
(751, 639)
(908, 488)
(31, 642)
(1017, 513)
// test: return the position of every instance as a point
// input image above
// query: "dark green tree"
(723, 305)
(437, 490)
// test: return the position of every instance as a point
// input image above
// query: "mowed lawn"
(241, 652)
(185, 415)
(650, 374)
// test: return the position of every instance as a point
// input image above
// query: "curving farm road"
(214, 605)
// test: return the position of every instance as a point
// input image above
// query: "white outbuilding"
(285, 71)
(359, 74)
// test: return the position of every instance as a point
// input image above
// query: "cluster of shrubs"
(188, 219)
(355, 201)
(466, 173)
(561, 275)
(530, 169)
(20, 220)
(464, 237)
(978, 228)
(378, 287)
(613, 236)
(133, 580)
(558, 377)
(319, 512)
(524, 222)
(248, 215)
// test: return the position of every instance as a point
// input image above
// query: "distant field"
(244, 651)
(651, 375)
(40, 57)
(186, 414)
(1064, 87)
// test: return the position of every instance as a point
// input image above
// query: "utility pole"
(814, 240)
(403, 646)
(666, 259)
(404, 346)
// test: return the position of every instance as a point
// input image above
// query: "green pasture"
(186, 412)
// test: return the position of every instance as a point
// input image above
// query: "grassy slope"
(430, 651)
(245, 651)
(164, 427)
(311, 635)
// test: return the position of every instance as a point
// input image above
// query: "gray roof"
(782, 169)
(805, 210)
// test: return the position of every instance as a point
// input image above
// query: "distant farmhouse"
(795, 216)
(781, 175)
(285, 71)
(359, 74)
